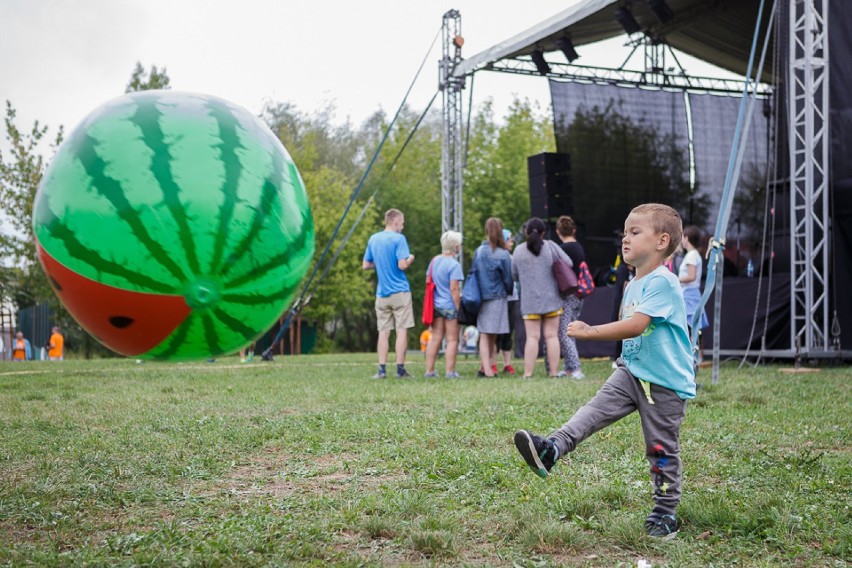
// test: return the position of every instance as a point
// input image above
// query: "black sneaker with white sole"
(663, 527)
(539, 453)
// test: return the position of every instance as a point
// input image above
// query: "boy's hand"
(579, 329)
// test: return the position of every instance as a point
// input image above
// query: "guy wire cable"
(298, 303)
(771, 141)
(717, 243)
(373, 195)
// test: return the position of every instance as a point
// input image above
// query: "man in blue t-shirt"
(654, 375)
(387, 253)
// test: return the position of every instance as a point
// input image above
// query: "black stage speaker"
(550, 185)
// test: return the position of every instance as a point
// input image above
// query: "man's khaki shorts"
(394, 312)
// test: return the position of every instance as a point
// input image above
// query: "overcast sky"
(62, 58)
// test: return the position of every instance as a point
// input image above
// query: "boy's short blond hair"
(664, 219)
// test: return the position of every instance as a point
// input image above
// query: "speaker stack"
(550, 185)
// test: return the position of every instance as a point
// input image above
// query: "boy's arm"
(614, 331)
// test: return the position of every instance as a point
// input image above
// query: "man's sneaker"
(539, 453)
(430, 375)
(402, 374)
(452, 375)
(664, 528)
(380, 375)
(508, 369)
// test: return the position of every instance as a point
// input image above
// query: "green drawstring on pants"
(646, 386)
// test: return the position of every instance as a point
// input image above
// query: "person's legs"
(385, 323)
(551, 339)
(661, 428)
(403, 316)
(434, 345)
(401, 345)
(568, 345)
(533, 330)
(452, 333)
(486, 351)
(383, 346)
(618, 397)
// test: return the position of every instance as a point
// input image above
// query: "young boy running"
(654, 375)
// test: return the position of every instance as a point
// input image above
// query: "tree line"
(331, 158)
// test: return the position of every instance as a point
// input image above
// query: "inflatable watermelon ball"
(173, 226)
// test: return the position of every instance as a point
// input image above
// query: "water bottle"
(750, 269)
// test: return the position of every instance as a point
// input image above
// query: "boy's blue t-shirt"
(385, 249)
(444, 270)
(662, 354)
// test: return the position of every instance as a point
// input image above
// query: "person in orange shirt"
(56, 347)
(425, 337)
(21, 350)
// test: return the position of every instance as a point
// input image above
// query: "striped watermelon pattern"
(162, 193)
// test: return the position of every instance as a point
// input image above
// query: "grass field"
(307, 461)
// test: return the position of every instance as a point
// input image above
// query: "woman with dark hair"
(566, 230)
(541, 304)
(493, 267)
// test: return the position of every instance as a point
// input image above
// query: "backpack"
(585, 282)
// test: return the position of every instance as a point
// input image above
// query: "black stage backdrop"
(747, 317)
(629, 146)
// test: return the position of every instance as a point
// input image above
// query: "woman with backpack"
(572, 303)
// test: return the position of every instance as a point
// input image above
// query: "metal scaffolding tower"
(808, 120)
(452, 147)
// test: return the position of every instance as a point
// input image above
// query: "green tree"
(21, 171)
(141, 80)
(496, 181)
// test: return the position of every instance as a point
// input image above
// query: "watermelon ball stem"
(202, 294)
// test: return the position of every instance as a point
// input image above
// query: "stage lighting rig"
(661, 10)
(540, 63)
(624, 17)
(565, 46)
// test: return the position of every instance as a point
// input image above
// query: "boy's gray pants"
(620, 395)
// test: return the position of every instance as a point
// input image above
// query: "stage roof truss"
(627, 77)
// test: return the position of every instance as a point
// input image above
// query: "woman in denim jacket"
(494, 271)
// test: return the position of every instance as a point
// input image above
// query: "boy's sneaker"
(539, 453)
(403, 374)
(663, 528)
(452, 375)
(430, 375)
(509, 370)
(578, 375)
(380, 375)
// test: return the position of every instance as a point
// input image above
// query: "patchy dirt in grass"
(277, 474)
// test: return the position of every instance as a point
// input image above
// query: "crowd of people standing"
(516, 282)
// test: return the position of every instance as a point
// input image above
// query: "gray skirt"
(493, 316)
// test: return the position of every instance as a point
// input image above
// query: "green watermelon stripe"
(80, 251)
(268, 198)
(259, 271)
(147, 118)
(258, 299)
(234, 324)
(228, 125)
(210, 334)
(178, 337)
(111, 189)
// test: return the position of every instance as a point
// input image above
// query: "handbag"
(429, 298)
(566, 279)
(471, 297)
(585, 282)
